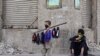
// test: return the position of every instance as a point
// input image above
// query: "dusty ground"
(31, 55)
(41, 55)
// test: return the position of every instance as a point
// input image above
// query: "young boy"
(78, 44)
(47, 38)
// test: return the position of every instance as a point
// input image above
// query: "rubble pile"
(94, 49)
(9, 49)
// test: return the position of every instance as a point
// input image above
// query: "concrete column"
(94, 19)
(0, 20)
(0, 13)
(98, 22)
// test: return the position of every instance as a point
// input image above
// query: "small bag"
(38, 39)
(55, 32)
(34, 38)
(42, 37)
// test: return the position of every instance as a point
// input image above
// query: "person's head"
(81, 32)
(47, 23)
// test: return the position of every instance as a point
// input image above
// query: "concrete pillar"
(0, 20)
(98, 22)
(94, 19)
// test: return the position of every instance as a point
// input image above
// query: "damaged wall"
(98, 22)
(75, 18)
(19, 38)
(0, 20)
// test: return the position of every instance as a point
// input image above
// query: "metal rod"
(35, 20)
(51, 27)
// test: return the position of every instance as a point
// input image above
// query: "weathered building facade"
(22, 13)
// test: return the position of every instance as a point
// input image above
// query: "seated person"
(78, 44)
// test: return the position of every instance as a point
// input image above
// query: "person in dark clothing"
(78, 44)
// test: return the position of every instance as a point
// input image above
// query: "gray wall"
(0, 20)
(74, 18)
(19, 38)
(98, 21)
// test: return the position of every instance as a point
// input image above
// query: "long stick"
(52, 27)
(34, 21)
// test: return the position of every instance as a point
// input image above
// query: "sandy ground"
(32, 55)
(39, 54)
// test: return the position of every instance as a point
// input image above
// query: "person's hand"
(80, 35)
(77, 39)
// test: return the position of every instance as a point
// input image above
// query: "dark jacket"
(78, 45)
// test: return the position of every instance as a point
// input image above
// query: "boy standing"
(47, 38)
